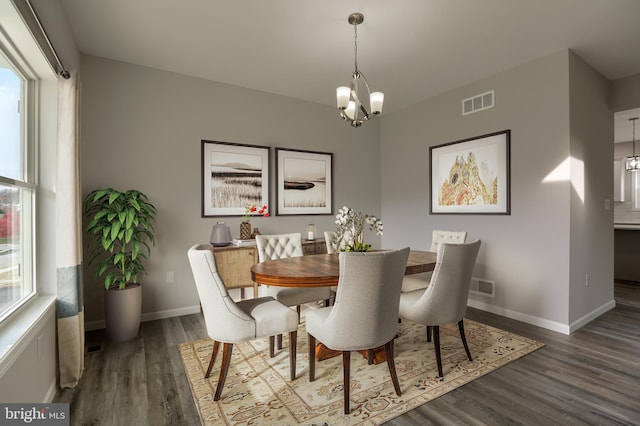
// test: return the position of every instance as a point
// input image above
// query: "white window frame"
(27, 182)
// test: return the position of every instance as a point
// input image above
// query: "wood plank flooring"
(589, 378)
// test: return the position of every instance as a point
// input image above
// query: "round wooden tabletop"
(321, 270)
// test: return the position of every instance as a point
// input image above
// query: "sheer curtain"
(70, 309)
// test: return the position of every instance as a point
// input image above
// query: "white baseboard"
(519, 316)
(51, 392)
(541, 322)
(149, 316)
(592, 315)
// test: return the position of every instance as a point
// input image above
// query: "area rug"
(258, 390)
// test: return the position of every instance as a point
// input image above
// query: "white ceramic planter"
(122, 310)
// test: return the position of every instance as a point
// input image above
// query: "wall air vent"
(479, 102)
(483, 287)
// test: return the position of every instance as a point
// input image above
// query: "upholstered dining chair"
(365, 313)
(281, 246)
(230, 322)
(445, 300)
(418, 281)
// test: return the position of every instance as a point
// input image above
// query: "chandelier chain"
(633, 120)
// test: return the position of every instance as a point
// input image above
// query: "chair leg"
(311, 342)
(436, 345)
(346, 372)
(293, 343)
(370, 356)
(226, 360)
(388, 349)
(214, 354)
(272, 352)
(464, 339)
(428, 333)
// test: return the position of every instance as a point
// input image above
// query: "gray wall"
(141, 128)
(625, 93)
(591, 121)
(528, 252)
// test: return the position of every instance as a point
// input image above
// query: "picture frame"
(233, 175)
(486, 160)
(304, 182)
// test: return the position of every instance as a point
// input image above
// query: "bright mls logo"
(36, 414)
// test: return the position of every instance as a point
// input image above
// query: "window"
(17, 190)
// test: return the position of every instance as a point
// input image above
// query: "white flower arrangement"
(349, 235)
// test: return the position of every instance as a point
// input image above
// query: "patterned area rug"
(258, 390)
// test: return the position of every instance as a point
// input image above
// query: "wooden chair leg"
(436, 345)
(428, 333)
(226, 360)
(293, 343)
(370, 356)
(388, 349)
(214, 354)
(272, 351)
(311, 342)
(279, 341)
(346, 369)
(464, 339)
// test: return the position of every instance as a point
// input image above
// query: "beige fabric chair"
(281, 246)
(232, 322)
(365, 314)
(418, 281)
(445, 300)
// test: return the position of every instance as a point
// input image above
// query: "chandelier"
(350, 106)
(633, 163)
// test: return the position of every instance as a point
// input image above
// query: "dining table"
(323, 270)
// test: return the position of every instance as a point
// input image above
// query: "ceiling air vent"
(478, 103)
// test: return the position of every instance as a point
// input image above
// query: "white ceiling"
(409, 49)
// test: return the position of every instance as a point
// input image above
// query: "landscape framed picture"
(471, 175)
(305, 182)
(233, 175)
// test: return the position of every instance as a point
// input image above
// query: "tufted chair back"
(422, 280)
(446, 237)
(279, 246)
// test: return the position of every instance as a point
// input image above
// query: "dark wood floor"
(589, 378)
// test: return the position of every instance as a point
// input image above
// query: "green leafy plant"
(121, 229)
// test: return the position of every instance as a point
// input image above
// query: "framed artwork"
(305, 182)
(471, 175)
(233, 175)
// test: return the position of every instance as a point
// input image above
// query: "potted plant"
(120, 230)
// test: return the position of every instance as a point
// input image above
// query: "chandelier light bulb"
(343, 93)
(376, 98)
(351, 109)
